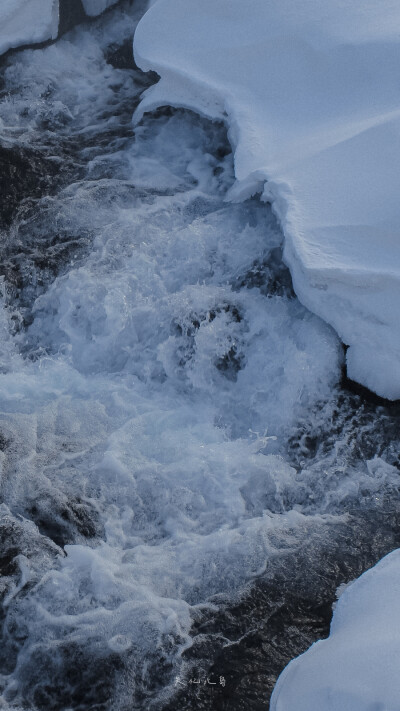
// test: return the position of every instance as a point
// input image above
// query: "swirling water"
(173, 426)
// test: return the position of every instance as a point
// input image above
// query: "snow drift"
(311, 93)
(356, 669)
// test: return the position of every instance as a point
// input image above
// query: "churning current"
(172, 420)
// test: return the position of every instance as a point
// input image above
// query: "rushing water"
(177, 449)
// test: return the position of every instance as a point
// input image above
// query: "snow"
(356, 668)
(310, 91)
(27, 22)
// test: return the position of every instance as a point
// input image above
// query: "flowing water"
(185, 476)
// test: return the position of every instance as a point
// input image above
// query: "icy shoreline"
(311, 96)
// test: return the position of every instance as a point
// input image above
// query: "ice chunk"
(356, 668)
(27, 22)
(312, 97)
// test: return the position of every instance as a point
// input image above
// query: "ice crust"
(310, 91)
(356, 668)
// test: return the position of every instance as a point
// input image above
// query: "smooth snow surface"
(311, 92)
(357, 668)
(27, 22)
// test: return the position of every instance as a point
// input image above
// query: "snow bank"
(356, 669)
(312, 97)
(27, 22)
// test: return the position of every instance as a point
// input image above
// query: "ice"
(355, 669)
(310, 93)
(27, 22)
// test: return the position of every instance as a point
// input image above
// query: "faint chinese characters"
(202, 681)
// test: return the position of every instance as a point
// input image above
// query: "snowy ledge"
(29, 22)
(356, 668)
(311, 95)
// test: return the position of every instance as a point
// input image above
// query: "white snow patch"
(27, 22)
(356, 668)
(312, 97)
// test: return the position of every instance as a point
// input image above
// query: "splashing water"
(155, 373)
